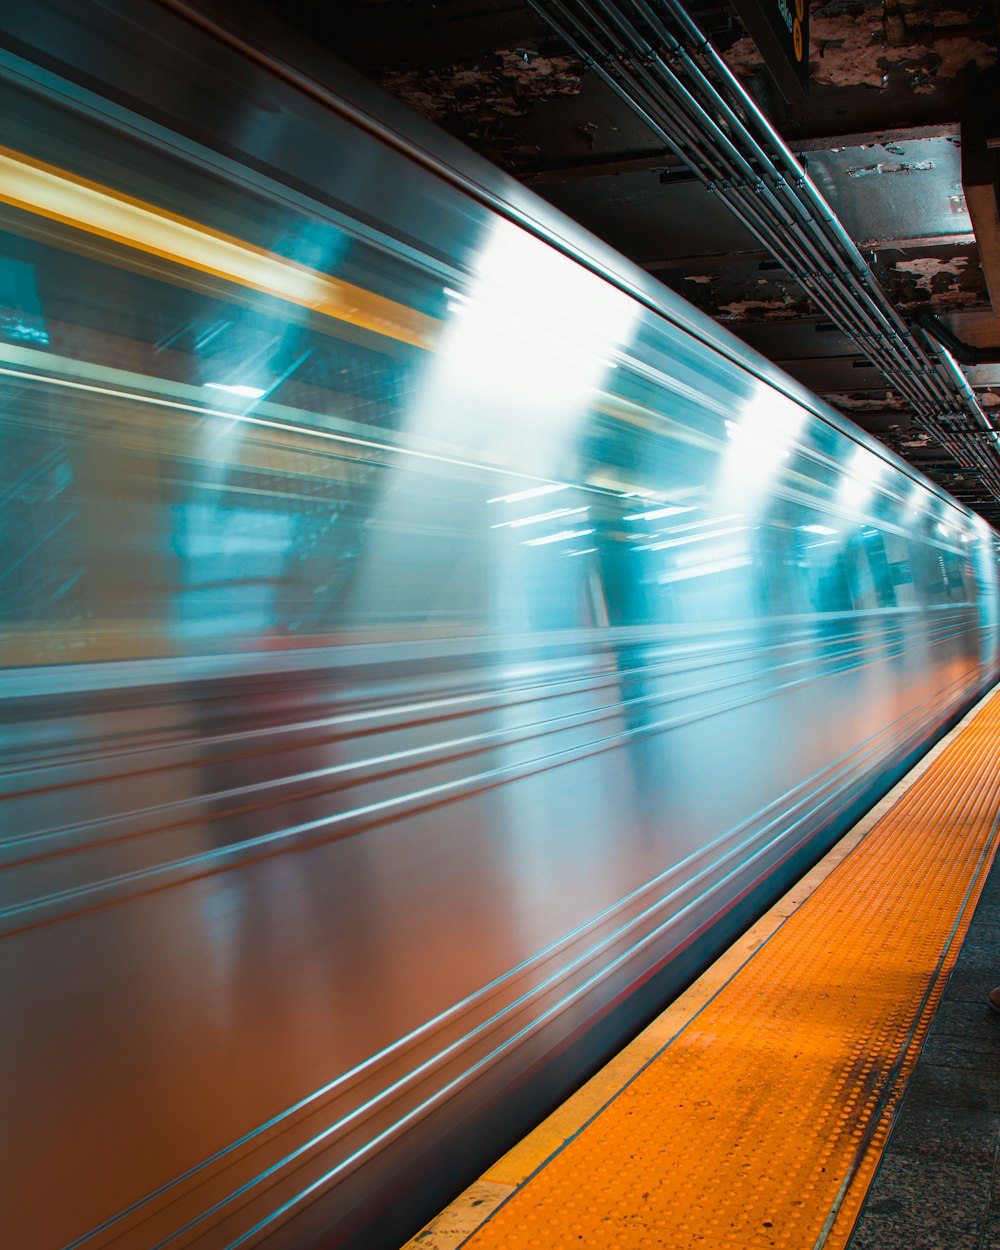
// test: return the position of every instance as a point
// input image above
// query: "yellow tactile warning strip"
(760, 1123)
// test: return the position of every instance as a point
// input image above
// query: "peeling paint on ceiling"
(848, 47)
(898, 167)
(870, 401)
(950, 282)
(507, 83)
(743, 309)
(926, 268)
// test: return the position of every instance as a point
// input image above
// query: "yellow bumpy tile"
(762, 1122)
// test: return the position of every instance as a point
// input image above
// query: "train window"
(780, 586)
(897, 553)
(859, 573)
(882, 584)
(627, 578)
(927, 571)
(953, 576)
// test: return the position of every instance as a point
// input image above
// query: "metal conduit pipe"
(797, 251)
(886, 319)
(945, 392)
(967, 353)
(756, 116)
(739, 165)
(845, 310)
(708, 167)
(751, 174)
(704, 164)
(826, 217)
(961, 382)
(873, 333)
(740, 174)
(698, 107)
(754, 174)
(787, 247)
(657, 99)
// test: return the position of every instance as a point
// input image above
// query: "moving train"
(426, 641)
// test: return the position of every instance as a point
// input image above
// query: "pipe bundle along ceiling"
(654, 57)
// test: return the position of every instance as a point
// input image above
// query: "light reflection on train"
(414, 643)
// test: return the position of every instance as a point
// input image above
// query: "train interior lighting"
(531, 492)
(238, 388)
(527, 344)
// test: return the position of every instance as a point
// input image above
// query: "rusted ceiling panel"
(888, 193)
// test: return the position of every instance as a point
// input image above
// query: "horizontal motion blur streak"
(37, 188)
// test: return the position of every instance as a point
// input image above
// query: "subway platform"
(832, 1081)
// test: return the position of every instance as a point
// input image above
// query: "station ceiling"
(897, 92)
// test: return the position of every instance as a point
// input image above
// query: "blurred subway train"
(426, 641)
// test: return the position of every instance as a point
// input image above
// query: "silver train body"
(425, 641)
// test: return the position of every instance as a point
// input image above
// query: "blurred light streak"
(656, 514)
(762, 446)
(539, 517)
(705, 569)
(232, 415)
(526, 355)
(562, 536)
(532, 493)
(693, 538)
(47, 191)
(859, 481)
(760, 440)
(245, 392)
